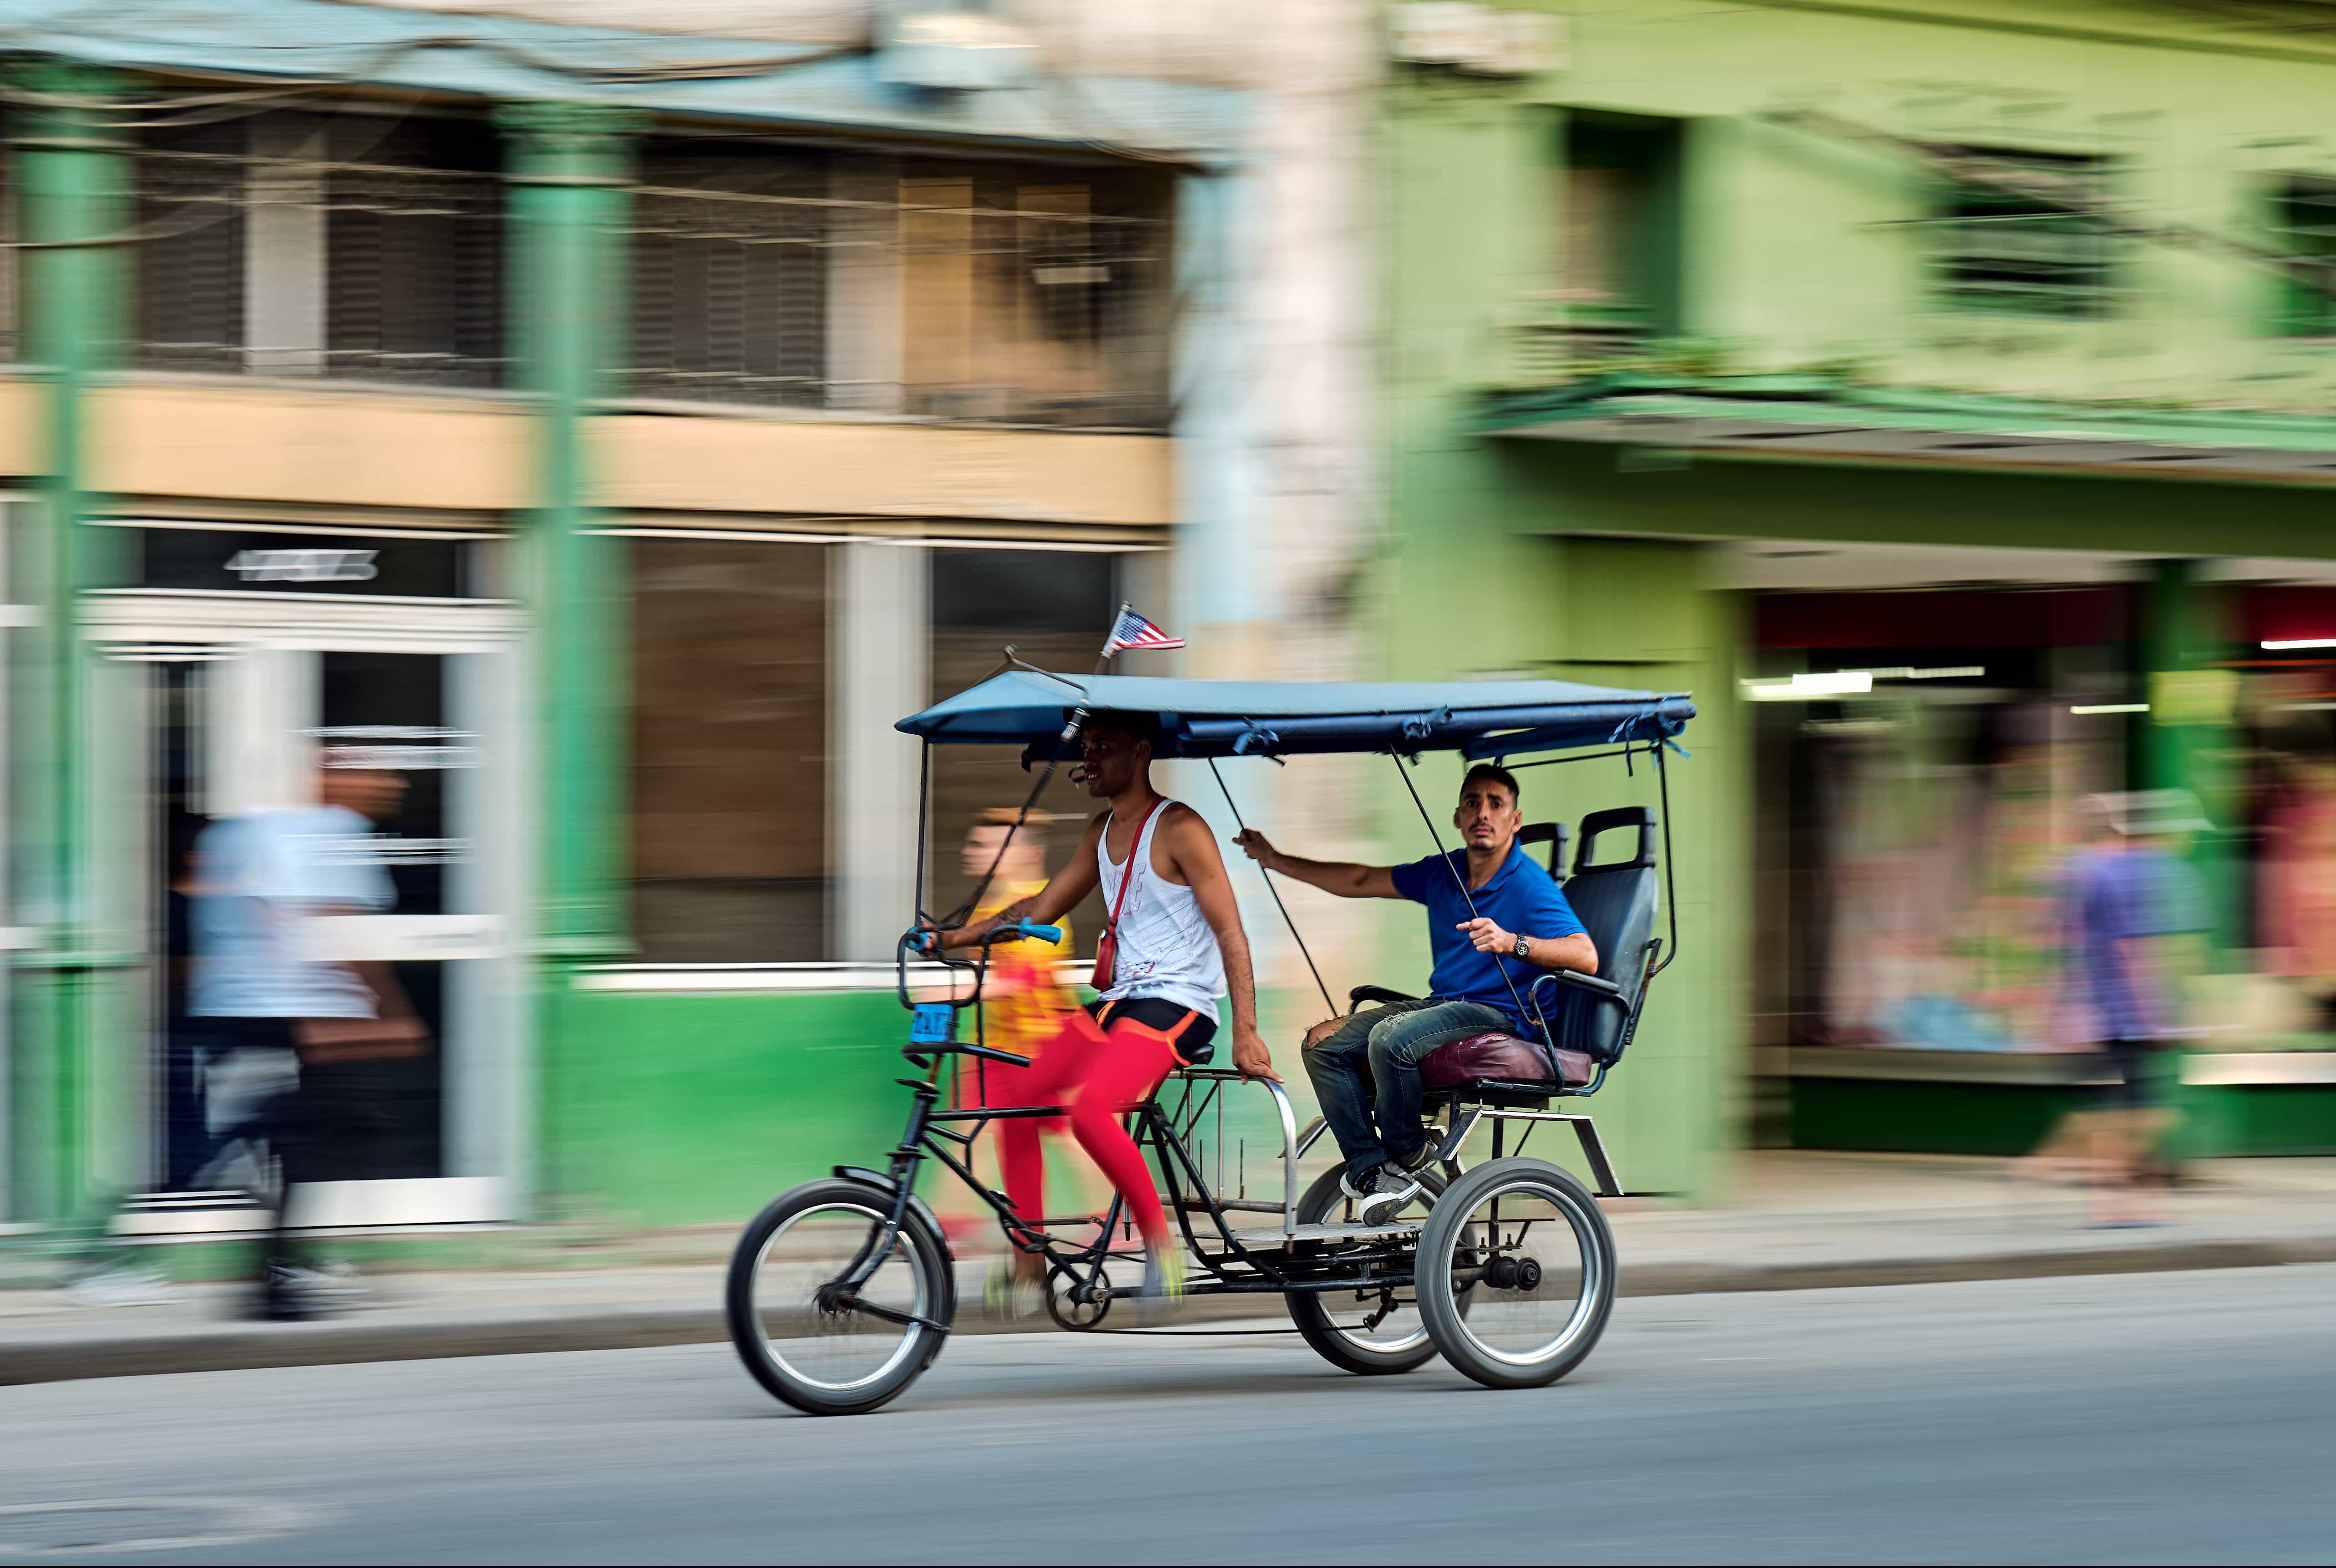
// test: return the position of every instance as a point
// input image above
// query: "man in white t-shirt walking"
(265, 878)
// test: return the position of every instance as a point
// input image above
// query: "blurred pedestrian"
(190, 1043)
(103, 1271)
(1024, 1001)
(2123, 896)
(265, 882)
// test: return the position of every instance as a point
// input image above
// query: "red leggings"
(1097, 1072)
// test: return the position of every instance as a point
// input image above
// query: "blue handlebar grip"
(1043, 933)
(921, 941)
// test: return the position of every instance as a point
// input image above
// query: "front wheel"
(1525, 1245)
(809, 1338)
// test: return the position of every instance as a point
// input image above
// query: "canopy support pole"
(1670, 888)
(1275, 892)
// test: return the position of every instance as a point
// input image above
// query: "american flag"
(1134, 631)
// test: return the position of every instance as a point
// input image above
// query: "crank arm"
(906, 1320)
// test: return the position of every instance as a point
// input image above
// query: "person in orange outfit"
(1024, 1001)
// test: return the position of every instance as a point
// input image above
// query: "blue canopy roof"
(1203, 718)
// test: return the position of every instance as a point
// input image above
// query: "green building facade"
(1979, 352)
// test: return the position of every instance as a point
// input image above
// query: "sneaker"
(118, 1285)
(1164, 1280)
(331, 1284)
(295, 1294)
(1012, 1296)
(1423, 1159)
(279, 1301)
(1379, 1192)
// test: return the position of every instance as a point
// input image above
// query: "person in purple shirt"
(2119, 896)
(1489, 941)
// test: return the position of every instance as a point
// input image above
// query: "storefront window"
(1923, 824)
(2291, 998)
(730, 743)
(1939, 827)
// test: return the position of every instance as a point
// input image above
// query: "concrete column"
(2185, 740)
(284, 248)
(567, 168)
(864, 302)
(568, 165)
(70, 179)
(264, 701)
(1276, 372)
(879, 672)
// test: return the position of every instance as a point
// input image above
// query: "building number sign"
(305, 565)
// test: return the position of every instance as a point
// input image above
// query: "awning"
(1814, 420)
(1206, 718)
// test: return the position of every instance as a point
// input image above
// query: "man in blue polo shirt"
(1489, 941)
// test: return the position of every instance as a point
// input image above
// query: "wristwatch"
(1524, 947)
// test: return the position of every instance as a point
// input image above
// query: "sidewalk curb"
(1693, 1279)
(239, 1347)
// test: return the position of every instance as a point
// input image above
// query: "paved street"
(2150, 1418)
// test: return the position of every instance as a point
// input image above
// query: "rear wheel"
(1370, 1333)
(1527, 1246)
(823, 1349)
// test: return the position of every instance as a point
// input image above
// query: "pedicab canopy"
(1214, 718)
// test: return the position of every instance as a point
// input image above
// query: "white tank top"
(1164, 948)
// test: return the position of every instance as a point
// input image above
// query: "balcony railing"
(901, 303)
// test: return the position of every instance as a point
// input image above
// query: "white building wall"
(1292, 484)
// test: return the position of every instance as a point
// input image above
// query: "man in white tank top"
(1177, 945)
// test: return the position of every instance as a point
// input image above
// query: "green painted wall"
(1470, 224)
(673, 1109)
(2199, 119)
(669, 1110)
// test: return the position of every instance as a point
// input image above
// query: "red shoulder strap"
(1127, 871)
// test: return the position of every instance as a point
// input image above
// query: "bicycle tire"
(925, 1273)
(1311, 1311)
(1464, 1337)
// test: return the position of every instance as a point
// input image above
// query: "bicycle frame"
(1227, 1262)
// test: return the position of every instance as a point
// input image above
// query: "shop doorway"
(247, 695)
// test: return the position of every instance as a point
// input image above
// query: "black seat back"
(1616, 902)
(1550, 834)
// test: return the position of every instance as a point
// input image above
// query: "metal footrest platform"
(1274, 1236)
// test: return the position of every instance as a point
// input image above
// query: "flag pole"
(1112, 636)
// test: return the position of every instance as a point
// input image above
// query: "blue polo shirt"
(1521, 898)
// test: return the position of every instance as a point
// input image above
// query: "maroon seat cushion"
(1502, 1057)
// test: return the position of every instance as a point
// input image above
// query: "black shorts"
(1191, 1033)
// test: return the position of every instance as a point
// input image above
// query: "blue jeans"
(1392, 1040)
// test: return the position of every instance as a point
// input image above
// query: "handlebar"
(923, 941)
(926, 940)
(1021, 929)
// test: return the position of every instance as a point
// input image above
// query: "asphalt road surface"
(2134, 1418)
